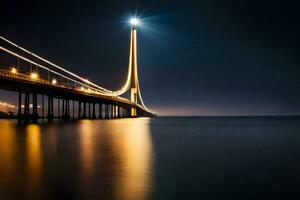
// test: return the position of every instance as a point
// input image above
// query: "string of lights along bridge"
(64, 94)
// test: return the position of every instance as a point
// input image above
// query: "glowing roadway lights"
(54, 82)
(13, 70)
(34, 76)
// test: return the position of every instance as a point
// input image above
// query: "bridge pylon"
(134, 87)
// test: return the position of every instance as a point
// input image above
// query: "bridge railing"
(27, 77)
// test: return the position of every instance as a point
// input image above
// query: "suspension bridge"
(63, 94)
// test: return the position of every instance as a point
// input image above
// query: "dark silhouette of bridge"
(63, 94)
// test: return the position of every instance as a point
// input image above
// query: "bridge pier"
(89, 110)
(94, 112)
(73, 109)
(106, 111)
(84, 111)
(50, 115)
(116, 111)
(63, 108)
(123, 112)
(119, 111)
(20, 107)
(43, 107)
(128, 114)
(79, 109)
(112, 111)
(100, 111)
(58, 108)
(34, 108)
(66, 109)
(26, 108)
(27, 115)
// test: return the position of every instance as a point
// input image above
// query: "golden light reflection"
(116, 157)
(34, 156)
(86, 146)
(8, 155)
(132, 143)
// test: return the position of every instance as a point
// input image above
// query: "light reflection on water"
(89, 159)
(8, 154)
(161, 158)
(33, 158)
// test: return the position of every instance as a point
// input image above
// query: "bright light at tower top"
(134, 21)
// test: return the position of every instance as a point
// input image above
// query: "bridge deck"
(25, 83)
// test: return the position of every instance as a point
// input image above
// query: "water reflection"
(88, 138)
(86, 159)
(132, 149)
(8, 150)
(34, 158)
(116, 155)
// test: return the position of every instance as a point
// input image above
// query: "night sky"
(211, 57)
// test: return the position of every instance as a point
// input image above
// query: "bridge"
(64, 94)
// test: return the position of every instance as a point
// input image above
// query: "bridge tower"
(134, 87)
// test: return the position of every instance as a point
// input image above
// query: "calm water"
(162, 158)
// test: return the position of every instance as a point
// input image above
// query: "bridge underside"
(85, 103)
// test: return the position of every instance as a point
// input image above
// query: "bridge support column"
(50, 109)
(118, 112)
(66, 109)
(106, 111)
(26, 107)
(34, 108)
(20, 107)
(84, 111)
(58, 108)
(115, 111)
(89, 110)
(63, 108)
(128, 110)
(79, 109)
(123, 113)
(94, 112)
(100, 111)
(112, 111)
(133, 112)
(43, 107)
(73, 109)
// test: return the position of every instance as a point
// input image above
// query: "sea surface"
(160, 159)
